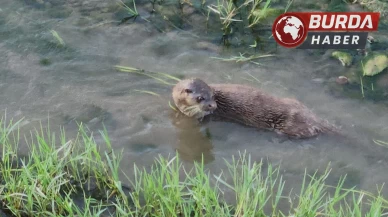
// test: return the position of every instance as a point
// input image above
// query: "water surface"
(77, 82)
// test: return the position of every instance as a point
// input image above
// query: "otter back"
(252, 107)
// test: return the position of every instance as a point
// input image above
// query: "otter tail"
(329, 128)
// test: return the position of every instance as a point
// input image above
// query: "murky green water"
(77, 82)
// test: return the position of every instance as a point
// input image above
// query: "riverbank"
(74, 177)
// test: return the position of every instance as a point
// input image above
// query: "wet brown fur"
(252, 107)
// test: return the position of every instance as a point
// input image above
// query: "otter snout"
(209, 106)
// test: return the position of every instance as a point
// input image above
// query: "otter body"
(249, 106)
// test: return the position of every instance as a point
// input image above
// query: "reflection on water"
(77, 82)
(193, 140)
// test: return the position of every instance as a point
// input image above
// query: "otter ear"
(188, 91)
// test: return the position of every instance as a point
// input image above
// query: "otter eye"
(188, 91)
(200, 99)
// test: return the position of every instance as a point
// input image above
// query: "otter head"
(194, 98)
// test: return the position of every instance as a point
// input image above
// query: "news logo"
(324, 30)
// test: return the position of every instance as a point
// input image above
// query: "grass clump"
(45, 182)
(132, 11)
(45, 62)
(226, 10)
(249, 13)
(58, 172)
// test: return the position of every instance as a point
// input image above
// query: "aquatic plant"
(256, 14)
(375, 6)
(337, 6)
(131, 11)
(247, 14)
(233, 16)
(148, 92)
(374, 63)
(345, 58)
(226, 10)
(243, 58)
(381, 143)
(158, 76)
(58, 38)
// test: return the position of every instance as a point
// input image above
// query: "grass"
(362, 88)
(57, 170)
(256, 15)
(132, 12)
(381, 143)
(250, 13)
(148, 92)
(58, 38)
(44, 182)
(158, 76)
(243, 58)
(229, 18)
(226, 11)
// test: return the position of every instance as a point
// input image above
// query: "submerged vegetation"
(58, 38)
(231, 17)
(375, 63)
(245, 27)
(158, 76)
(247, 24)
(78, 177)
(345, 58)
(131, 11)
(368, 72)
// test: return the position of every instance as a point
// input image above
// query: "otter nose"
(212, 105)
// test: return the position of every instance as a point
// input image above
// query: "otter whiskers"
(192, 110)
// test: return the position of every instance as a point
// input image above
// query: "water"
(39, 80)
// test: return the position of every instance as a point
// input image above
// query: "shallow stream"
(40, 80)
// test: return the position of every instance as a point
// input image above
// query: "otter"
(248, 106)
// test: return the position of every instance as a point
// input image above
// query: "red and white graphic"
(291, 29)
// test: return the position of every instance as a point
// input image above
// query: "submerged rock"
(204, 45)
(88, 114)
(370, 39)
(342, 80)
(374, 63)
(188, 10)
(345, 58)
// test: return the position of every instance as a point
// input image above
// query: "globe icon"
(289, 30)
